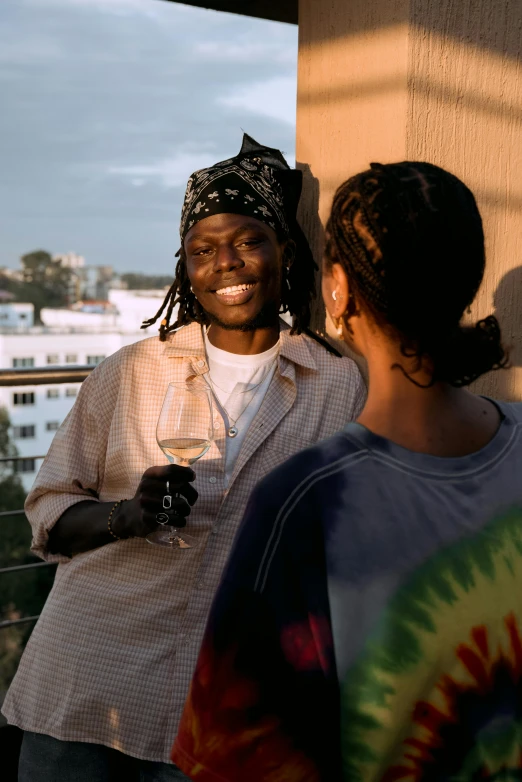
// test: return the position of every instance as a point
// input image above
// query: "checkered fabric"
(112, 656)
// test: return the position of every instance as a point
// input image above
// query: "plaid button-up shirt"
(111, 658)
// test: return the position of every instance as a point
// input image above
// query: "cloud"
(169, 172)
(34, 49)
(274, 98)
(115, 103)
(150, 8)
(246, 51)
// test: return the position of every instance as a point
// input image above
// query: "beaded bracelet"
(109, 527)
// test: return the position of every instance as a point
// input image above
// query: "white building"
(70, 260)
(17, 316)
(127, 312)
(87, 281)
(67, 338)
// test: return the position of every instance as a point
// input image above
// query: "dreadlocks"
(410, 238)
(297, 292)
(262, 186)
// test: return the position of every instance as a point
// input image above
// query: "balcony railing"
(28, 377)
(17, 568)
(102, 328)
(35, 376)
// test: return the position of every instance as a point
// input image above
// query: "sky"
(107, 106)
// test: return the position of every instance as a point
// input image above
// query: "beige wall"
(393, 79)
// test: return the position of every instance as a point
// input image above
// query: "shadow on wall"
(507, 301)
(310, 222)
(494, 26)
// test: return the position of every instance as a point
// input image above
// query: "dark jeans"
(44, 759)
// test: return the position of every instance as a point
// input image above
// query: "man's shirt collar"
(188, 342)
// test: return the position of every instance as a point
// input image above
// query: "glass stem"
(173, 531)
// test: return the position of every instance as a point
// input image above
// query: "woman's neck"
(440, 420)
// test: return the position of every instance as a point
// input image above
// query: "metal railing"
(4, 623)
(52, 375)
(28, 377)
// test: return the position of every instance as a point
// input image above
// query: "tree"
(22, 593)
(46, 283)
(140, 282)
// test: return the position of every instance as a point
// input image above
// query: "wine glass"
(184, 433)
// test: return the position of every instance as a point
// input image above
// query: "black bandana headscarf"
(258, 183)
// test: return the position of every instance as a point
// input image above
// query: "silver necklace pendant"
(233, 431)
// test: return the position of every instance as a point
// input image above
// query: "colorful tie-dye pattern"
(437, 691)
(216, 729)
(369, 625)
(264, 701)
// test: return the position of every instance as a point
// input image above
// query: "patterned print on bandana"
(247, 184)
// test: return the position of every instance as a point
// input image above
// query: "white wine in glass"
(184, 450)
(184, 433)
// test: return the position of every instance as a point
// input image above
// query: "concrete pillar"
(388, 80)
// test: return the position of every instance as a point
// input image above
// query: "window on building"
(52, 426)
(53, 358)
(71, 392)
(53, 393)
(22, 432)
(25, 465)
(71, 358)
(93, 360)
(23, 362)
(23, 398)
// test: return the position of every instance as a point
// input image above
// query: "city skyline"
(109, 105)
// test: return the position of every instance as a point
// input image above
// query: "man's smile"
(236, 294)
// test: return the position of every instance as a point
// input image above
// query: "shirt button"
(212, 480)
(215, 531)
(217, 424)
(201, 363)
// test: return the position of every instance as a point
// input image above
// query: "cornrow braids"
(297, 290)
(409, 236)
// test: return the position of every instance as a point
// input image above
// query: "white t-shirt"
(239, 384)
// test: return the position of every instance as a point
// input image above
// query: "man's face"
(234, 267)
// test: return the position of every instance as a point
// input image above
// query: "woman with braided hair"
(369, 623)
(405, 242)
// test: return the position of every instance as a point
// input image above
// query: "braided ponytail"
(410, 238)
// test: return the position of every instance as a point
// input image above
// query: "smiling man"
(102, 684)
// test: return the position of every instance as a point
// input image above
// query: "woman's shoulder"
(291, 481)
(513, 409)
(286, 509)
